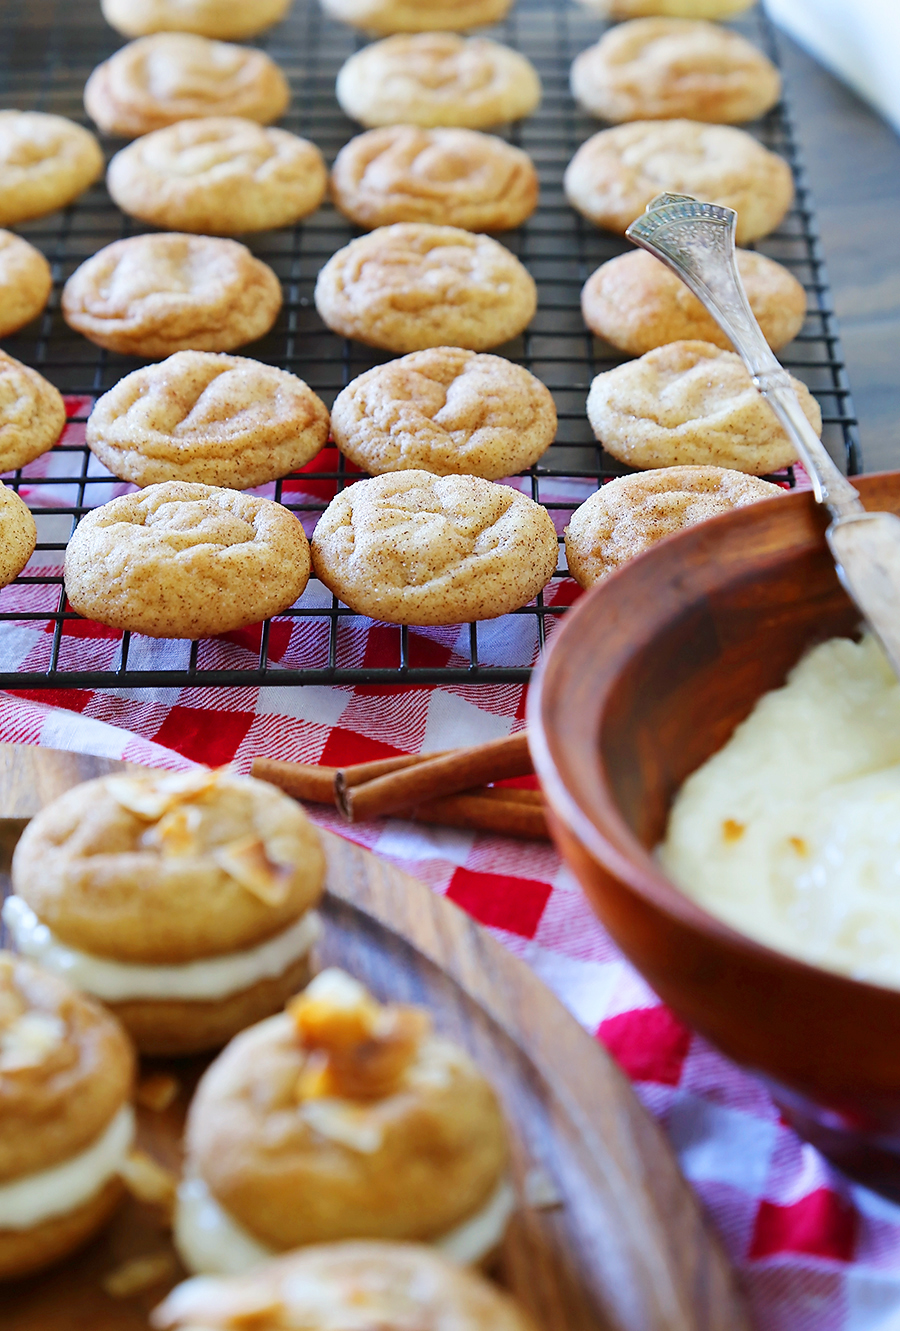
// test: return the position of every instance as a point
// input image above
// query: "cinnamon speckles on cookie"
(32, 414)
(413, 548)
(185, 561)
(45, 163)
(18, 535)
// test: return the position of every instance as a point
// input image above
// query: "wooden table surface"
(853, 159)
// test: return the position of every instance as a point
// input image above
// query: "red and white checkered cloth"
(815, 1252)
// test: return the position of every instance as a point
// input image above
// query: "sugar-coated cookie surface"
(18, 535)
(446, 411)
(170, 76)
(392, 1285)
(32, 414)
(384, 17)
(636, 303)
(221, 175)
(615, 174)
(664, 68)
(46, 161)
(179, 560)
(631, 513)
(704, 9)
(155, 294)
(451, 177)
(689, 403)
(413, 548)
(25, 282)
(413, 285)
(438, 78)
(231, 19)
(219, 420)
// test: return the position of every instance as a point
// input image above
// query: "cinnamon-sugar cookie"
(702, 9)
(173, 76)
(153, 295)
(615, 174)
(180, 560)
(217, 420)
(384, 17)
(45, 163)
(437, 78)
(412, 548)
(636, 303)
(233, 20)
(32, 414)
(18, 535)
(184, 901)
(25, 282)
(412, 285)
(450, 177)
(664, 68)
(391, 1285)
(221, 176)
(691, 403)
(447, 411)
(630, 514)
(66, 1124)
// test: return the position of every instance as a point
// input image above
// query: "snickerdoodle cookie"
(233, 20)
(454, 177)
(383, 17)
(704, 9)
(662, 68)
(615, 174)
(218, 420)
(413, 548)
(18, 535)
(32, 414)
(691, 403)
(628, 515)
(45, 162)
(341, 1118)
(181, 900)
(66, 1124)
(181, 560)
(447, 411)
(438, 78)
(412, 285)
(173, 76)
(636, 303)
(218, 176)
(152, 295)
(25, 282)
(392, 1286)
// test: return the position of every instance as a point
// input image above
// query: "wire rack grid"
(47, 51)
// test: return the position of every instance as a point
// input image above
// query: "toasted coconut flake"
(139, 1274)
(176, 832)
(152, 798)
(157, 1092)
(27, 1041)
(247, 863)
(349, 1125)
(541, 1192)
(149, 1181)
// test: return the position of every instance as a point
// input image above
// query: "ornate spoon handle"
(696, 240)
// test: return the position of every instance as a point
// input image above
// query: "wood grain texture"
(627, 1248)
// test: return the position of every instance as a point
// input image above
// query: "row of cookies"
(185, 905)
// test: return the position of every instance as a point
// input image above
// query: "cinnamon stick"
(483, 812)
(435, 778)
(306, 781)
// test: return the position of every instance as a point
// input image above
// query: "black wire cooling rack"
(47, 50)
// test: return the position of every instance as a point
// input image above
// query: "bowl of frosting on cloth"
(719, 745)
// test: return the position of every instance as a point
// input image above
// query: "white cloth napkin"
(859, 40)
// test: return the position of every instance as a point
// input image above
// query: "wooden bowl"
(647, 678)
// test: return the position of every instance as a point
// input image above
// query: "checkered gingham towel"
(815, 1253)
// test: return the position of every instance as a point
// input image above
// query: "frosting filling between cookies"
(211, 1242)
(209, 979)
(34, 1198)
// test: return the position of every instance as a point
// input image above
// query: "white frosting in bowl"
(791, 832)
(211, 1242)
(115, 982)
(34, 1198)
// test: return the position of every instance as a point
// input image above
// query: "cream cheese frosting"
(34, 1198)
(208, 979)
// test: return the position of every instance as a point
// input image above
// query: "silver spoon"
(696, 240)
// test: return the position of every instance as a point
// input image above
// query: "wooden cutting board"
(615, 1242)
